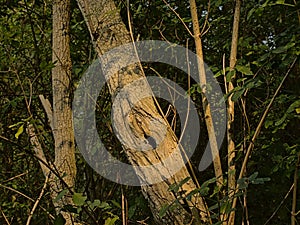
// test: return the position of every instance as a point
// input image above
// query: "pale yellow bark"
(230, 112)
(205, 103)
(108, 31)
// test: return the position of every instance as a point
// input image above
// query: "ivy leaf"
(79, 199)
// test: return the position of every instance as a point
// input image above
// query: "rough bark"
(108, 31)
(62, 126)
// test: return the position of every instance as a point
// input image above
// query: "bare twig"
(204, 31)
(178, 16)
(37, 201)
(279, 206)
(14, 177)
(5, 218)
(48, 109)
(124, 209)
(37, 148)
(294, 204)
(25, 196)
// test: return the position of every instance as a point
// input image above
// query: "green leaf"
(187, 19)
(131, 211)
(261, 180)
(111, 221)
(175, 187)
(229, 75)
(268, 123)
(104, 206)
(96, 203)
(244, 69)
(116, 204)
(282, 49)
(20, 131)
(59, 220)
(253, 176)
(251, 12)
(163, 210)
(237, 94)
(292, 107)
(243, 184)
(60, 195)
(79, 199)
(215, 206)
(69, 208)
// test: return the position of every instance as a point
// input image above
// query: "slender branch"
(205, 103)
(48, 109)
(124, 209)
(25, 196)
(279, 206)
(14, 177)
(294, 204)
(37, 148)
(230, 108)
(178, 16)
(37, 201)
(5, 218)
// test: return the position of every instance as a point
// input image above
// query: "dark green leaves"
(59, 220)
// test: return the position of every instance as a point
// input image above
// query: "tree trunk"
(108, 31)
(62, 124)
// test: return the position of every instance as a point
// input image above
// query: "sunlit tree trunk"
(108, 31)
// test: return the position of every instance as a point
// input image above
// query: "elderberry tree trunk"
(107, 32)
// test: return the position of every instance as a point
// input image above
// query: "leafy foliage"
(268, 44)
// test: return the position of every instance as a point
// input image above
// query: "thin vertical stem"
(205, 103)
(230, 106)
